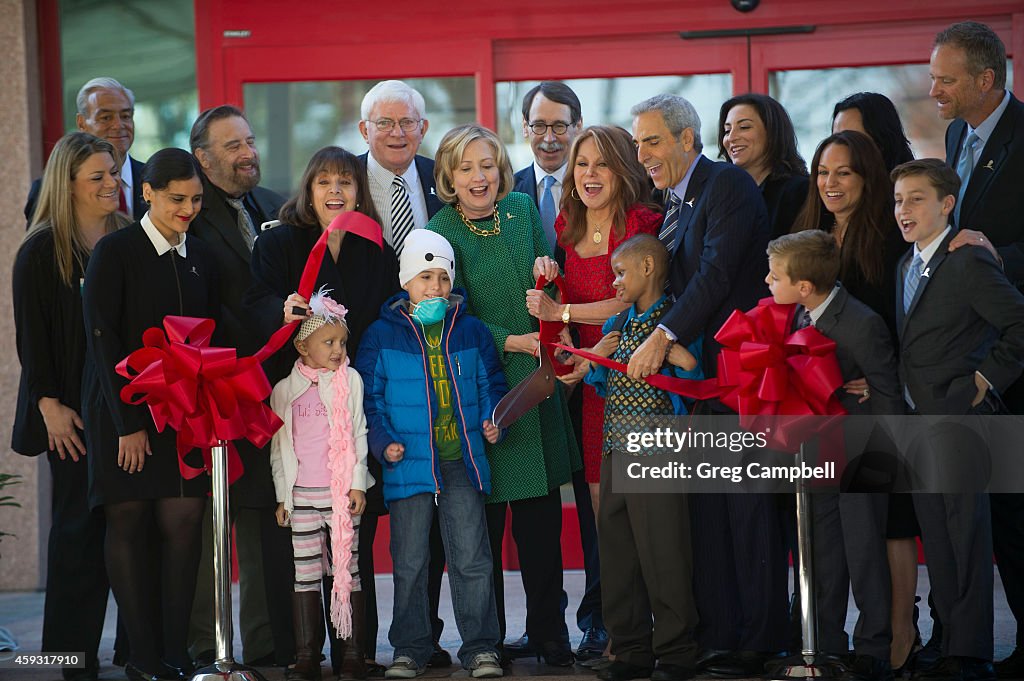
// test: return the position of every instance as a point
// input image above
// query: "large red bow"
(205, 394)
(778, 382)
(209, 395)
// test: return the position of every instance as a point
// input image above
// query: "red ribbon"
(208, 394)
(550, 331)
(778, 382)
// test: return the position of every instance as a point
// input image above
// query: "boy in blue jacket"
(432, 378)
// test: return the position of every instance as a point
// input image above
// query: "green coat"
(538, 452)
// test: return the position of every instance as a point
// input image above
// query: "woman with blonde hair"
(497, 237)
(77, 206)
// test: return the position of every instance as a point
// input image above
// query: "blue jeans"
(460, 509)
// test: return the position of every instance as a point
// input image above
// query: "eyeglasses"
(406, 124)
(541, 128)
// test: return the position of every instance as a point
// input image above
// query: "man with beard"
(233, 209)
(552, 117)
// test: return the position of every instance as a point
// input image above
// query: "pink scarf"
(341, 459)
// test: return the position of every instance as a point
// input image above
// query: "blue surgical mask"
(430, 310)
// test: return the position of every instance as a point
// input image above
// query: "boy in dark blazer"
(849, 529)
(961, 335)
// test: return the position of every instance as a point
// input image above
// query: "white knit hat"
(425, 250)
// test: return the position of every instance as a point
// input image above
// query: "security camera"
(745, 5)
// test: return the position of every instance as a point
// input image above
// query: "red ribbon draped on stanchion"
(208, 394)
(780, 382)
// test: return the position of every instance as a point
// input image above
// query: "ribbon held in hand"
(206, 394)
(550, 331)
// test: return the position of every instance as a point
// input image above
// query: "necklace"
(598, 237)
(496, 230)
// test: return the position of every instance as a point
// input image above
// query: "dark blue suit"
(994, 204)
(717, 266)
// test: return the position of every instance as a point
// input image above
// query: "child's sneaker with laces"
(485, 666)
(404, 667)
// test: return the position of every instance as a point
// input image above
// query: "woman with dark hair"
(609, 202)
(135, 277)
(77, 206)
(756, 134)
(361, 277)
(875, 116)
(850, 197)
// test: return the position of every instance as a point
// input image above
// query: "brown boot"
(308, 618)
(352, 665)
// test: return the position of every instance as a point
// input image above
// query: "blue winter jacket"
(400, 401)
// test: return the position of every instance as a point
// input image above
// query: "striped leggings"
(311, 538)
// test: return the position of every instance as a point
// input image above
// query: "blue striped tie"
(964, 168)
(667, 235)
(548, 212)
(911, 281)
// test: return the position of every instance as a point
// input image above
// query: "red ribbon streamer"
(778, 382)
(549, 331)
(208, 394)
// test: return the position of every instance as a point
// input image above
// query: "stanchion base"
(806, 667)
(230, 671)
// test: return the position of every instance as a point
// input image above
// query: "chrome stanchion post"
(811, 664)
(225, 668)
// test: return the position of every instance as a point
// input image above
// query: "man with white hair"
(393, 123)
(107, 109)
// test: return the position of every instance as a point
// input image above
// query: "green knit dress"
(538, 452)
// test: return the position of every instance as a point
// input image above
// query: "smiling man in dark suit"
(107, 109)
(234, 207)
(968, 71)
(716, 230)
(393, 124)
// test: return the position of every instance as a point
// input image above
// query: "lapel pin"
(988, 166)
(509, 216)
(690, 203)
(194, 271)
(927, 272)
(432, 192)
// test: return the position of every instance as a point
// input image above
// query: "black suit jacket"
(526, 183)
(719, 263)
(425, 169)
(993, 202)
(139, 206)
(864, 350)
(965, 317)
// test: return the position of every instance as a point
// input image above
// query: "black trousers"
(537, 530)
(76, 574)
(740, 576)
(647, 563)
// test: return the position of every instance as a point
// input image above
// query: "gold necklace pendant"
(471, 226)
(597, 237)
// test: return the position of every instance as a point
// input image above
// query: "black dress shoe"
(672, 672)
(595, 640)
(958, 669)
(622, 671)
(739, 664)
(439, 658)
(930, 654)
(1012, 667)
(519, 648)
(135, 674)
(556, 654)
(867, 668)
(710, 657)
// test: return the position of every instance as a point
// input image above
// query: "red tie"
(122, 202)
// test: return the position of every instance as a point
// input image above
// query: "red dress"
(589, 280)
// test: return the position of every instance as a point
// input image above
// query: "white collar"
(386, 177)
(931, 249)
(157, 239)
(820, 310)
(540, 173)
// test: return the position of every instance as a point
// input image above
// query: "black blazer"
(965, 317)
(783, 197)
(994, 202)
(139, 206)
(50, 340)
(864, 349)
(526, 183)
(719, 264)
(425, 170)
(217, 225)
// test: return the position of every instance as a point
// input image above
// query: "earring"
(573, 194)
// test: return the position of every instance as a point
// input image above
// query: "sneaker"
(404, 667)
(485, 666)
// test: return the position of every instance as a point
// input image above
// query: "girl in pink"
(318, 460)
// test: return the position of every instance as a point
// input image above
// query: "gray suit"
(965, 317)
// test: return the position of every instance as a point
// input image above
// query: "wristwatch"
(565, 314)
